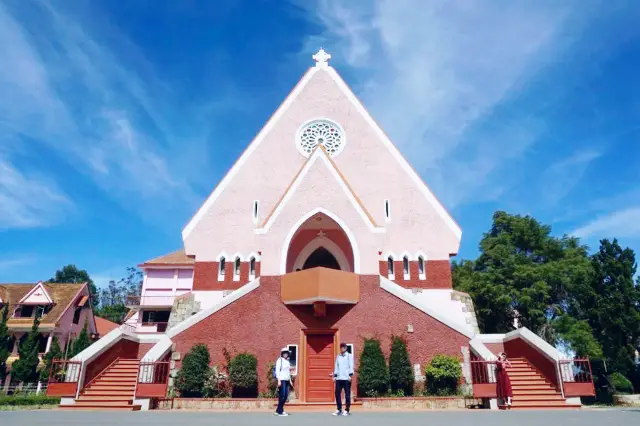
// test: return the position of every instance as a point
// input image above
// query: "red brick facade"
(205, 275)
(437, 274)
(261, 324)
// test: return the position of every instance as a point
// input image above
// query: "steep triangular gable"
(319, 155)
(342, 86)
(442, 212)
(248, 151)
(38, 295)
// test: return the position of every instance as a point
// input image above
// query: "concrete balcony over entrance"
(320, 285)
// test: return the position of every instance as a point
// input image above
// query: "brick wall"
(205, 275)
(261, 324)
(437, 274)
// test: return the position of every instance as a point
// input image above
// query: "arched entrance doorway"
(320, 241)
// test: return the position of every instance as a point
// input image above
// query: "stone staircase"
(113, 389)
(531, 390)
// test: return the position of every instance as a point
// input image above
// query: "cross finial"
(322, 58)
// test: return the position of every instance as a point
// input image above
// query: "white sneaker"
(337, 413)
(346, 413)
(281, 415)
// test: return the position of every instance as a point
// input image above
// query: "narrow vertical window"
(387, 211)
(252, 268)
(255, 211)
(421, 267)
(236, 269)
(221, 269)
(405, 267)
(390, 273)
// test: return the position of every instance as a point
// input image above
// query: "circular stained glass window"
(320, 132)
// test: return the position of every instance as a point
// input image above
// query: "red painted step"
(113, 389)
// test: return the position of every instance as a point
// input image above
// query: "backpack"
(275, 376)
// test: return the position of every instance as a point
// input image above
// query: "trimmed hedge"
(620, 383)
(443, 375)
(243, 375)
(400, 371)
(191, 378)
(373, 374)
(22, 400)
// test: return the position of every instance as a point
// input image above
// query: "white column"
(49, 340)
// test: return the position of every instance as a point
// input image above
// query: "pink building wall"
(66, 326)
(365, 162)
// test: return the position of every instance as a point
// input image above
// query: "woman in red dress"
(503, 383)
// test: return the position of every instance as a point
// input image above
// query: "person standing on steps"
(342, 375)
(503, 383)
(282, 373)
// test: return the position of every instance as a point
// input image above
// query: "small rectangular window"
(76, 315)
(390, 272)
(387, 211)
(293, 359)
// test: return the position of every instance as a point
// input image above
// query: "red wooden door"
(320, 359)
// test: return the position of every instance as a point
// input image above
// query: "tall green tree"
(611, 303)
(5, 342)
(71, 274)
(523, 273)
(82, 342)
(24, 369)
(54, 353)
(113, 299)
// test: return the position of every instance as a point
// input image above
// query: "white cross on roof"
(321, 58)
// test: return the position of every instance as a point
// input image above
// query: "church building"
(320, 233)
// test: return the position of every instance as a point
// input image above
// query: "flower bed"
(419, 403)
(246, 404)
(240, 404)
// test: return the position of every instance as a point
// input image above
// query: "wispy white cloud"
(28, 201)
(14, 262)
(63, 88)
(623, 223)
(435, 71)
(561, 177)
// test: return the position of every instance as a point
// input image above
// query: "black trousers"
(283, 394)
(346, 385)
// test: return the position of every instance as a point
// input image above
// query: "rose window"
(320, 132)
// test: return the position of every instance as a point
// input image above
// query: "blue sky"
(118, 118)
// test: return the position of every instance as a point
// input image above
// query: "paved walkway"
(435, 418)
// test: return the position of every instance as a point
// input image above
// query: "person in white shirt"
(342, 375)
(282, 372)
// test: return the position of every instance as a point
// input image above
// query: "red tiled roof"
(104, 326)
(176, 258)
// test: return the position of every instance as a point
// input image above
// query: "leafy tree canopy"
(71, 274)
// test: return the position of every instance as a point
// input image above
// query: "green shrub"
(21, 400)
(192, 376)
(620, 383)
(243, 375)
(272, 383)
(443, 375)
(400, 372)
(25, 368)
(373, 376)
